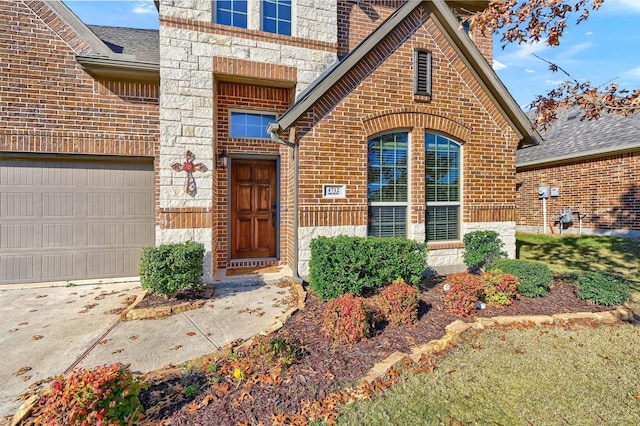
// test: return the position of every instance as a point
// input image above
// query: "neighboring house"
(384, 118)
(78, 138)
(595, 166)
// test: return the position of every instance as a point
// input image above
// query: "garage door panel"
(71, 219)
(17, 268)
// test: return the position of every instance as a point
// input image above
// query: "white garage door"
(64, 219)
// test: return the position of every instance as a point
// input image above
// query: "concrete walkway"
(46, 331)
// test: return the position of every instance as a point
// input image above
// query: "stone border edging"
(132, 313)
(454, 330)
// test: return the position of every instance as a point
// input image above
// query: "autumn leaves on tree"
(533, 21)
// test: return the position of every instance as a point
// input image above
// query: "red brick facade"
(377, 97)
(606, 189)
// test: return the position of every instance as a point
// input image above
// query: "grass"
(584, 253)
(534, 376)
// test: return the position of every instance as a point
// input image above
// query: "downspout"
(273, 129)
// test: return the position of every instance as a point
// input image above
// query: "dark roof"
(143, 44)
(569, 138)
(459, 41)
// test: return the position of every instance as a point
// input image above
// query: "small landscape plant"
(602, 288)
(534, 277)
(106, 395)
(345, 264)
(345, 319)
(168, 268)
(481, 248)
(466, 289)
(399, 303)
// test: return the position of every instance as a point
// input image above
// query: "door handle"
(273, 218)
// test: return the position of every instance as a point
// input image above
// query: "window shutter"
(422, 72)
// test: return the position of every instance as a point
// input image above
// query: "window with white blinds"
(387, 186)
(442, 184)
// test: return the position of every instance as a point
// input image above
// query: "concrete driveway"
(46, 331)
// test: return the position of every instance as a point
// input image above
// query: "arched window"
(442, 183)
(387, 184)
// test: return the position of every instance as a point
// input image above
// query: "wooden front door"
(254, 209)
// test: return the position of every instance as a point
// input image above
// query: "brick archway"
(407, 118)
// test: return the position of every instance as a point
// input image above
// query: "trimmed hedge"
(603, 288)
(345, 264)
(171, 267)
(481, 248)
(534, 277)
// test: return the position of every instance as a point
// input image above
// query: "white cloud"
(632, 73)
(530, 71)
(497, 65)
(553, 82)
(144, 8)
(588, 33)
(526, 50)
(622, 6)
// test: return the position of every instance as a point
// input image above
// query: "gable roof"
(141, 44)
(468, 52)
(569, 138)
(113, 52)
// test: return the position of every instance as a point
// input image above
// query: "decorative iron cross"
(188, 167)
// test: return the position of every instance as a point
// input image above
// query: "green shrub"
(345, 319)
(603, 288)
(399, 303)
(481, 248)
(171, 267)
(344, 264)
(105, 395)
(534, 277)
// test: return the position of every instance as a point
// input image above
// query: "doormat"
(253, 270)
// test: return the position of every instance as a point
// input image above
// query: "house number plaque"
(334, 191)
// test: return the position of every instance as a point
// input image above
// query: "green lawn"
(536, 376)
(584, 253)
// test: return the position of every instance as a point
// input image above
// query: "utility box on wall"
(555, 192)
(543, 192)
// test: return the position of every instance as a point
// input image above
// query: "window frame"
(406, 203)
(272, 118)
(276, 18)
(457, 204)
(233, 12)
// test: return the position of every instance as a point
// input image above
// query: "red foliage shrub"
(106, 395)
(493, 288)
(346, 319)
(499, 289)
(399, 303)
(466, 290)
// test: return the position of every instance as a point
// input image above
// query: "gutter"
(581, 156)
(273, 129)
(122, 69)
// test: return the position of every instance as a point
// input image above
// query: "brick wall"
(606, 189)
(377, 97)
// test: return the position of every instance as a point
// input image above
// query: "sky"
(604, 49)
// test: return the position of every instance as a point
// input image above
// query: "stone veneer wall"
(192, 52)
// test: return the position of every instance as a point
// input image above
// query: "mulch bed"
(325, 366)
(155, 300)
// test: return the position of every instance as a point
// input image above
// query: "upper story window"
(442, 184)
(387, 184)
(231, 12)
(250, 125)
(276, 16)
